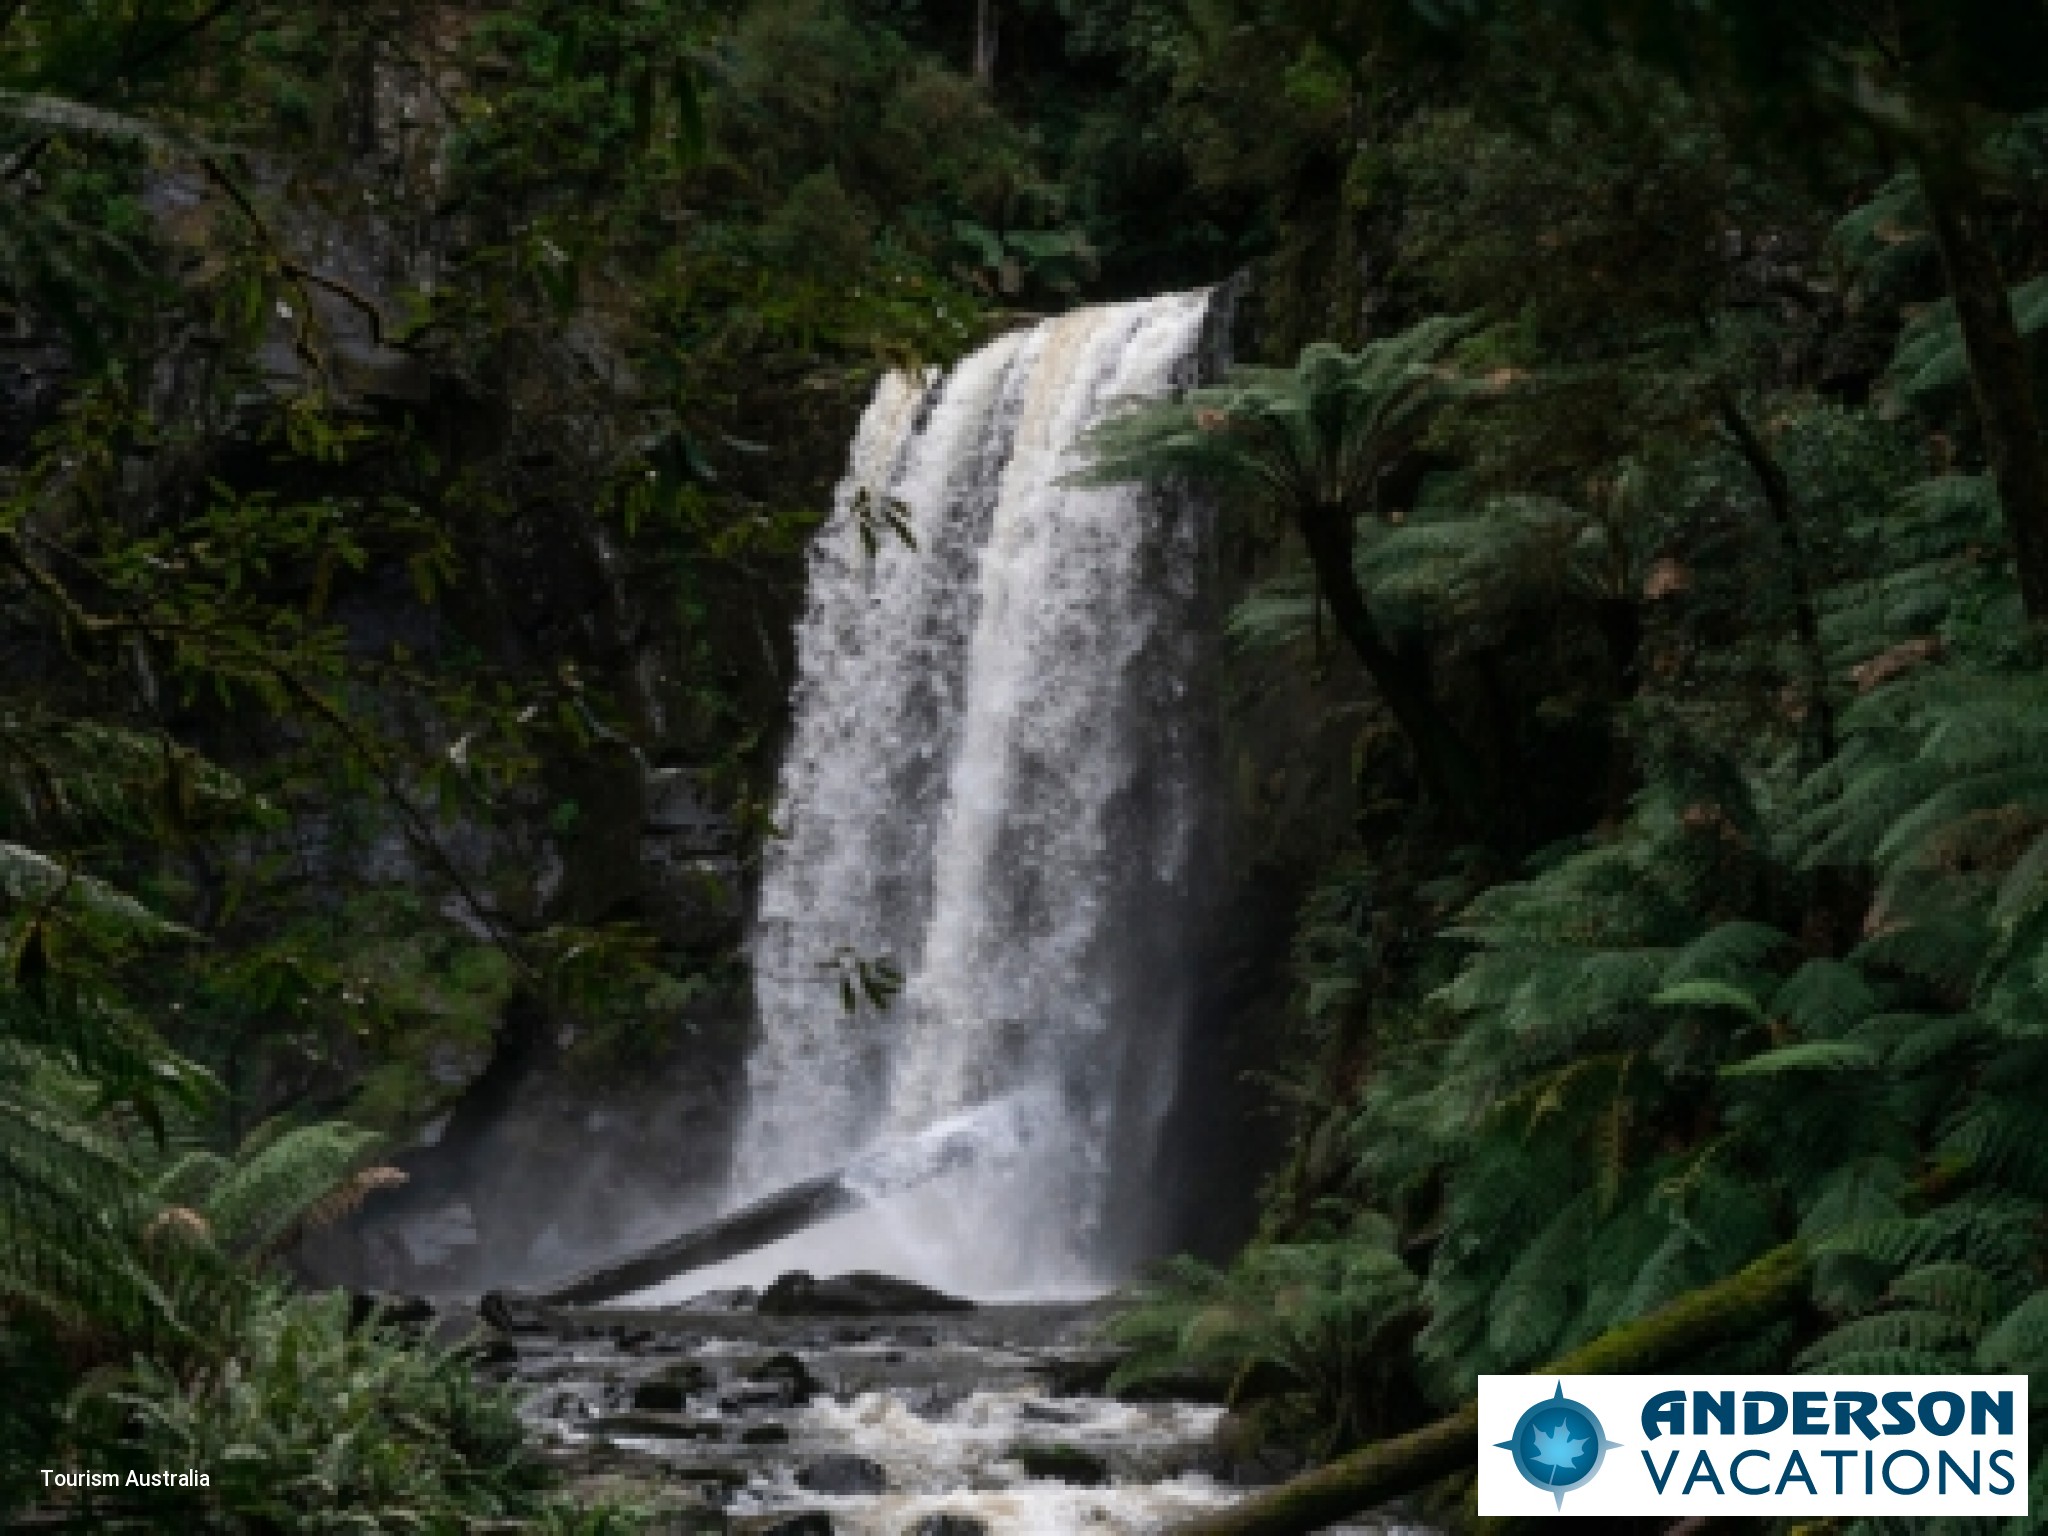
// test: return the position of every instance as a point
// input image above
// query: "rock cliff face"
(536, 1126)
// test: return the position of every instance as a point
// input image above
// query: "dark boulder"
(840, 1473)
(756, 1397)
(660, 1397)
(391, 1309)
(764, 1434)
(812, 1522)
(860, 1294)
(494, 1351)
(788, 1372)
(1062, 1463)
(509, 1313)
(948, 1525)
(659, 1426)
(670, 1390)
(1082, 1375)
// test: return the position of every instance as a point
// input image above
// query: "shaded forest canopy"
(1636, 502)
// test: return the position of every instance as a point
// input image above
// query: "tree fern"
(1311, 1329)
(258, 1202)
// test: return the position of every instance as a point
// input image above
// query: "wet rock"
(670, 1391)
(511, 1314)
(859, 1294)
(660, 1426)
(567, 1405)
(1062, 1463)
(1046, 1413)
(394, 1309)
(841, 1473)
(764, 1434)
(1081, 1375)
(494, 1352)
(720, 1483)
(653, 1426)
(1174, 1387)
(812, 1522)
(789, 1373)
(660, 1397)
(948, 1525)
(755, 1396)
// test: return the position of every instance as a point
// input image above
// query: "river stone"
(726, 1480)
(688, 1374)
(755, 1396)
(1046, 1413)
(859, 1294)
(393, 1309)
(1082, 1375)
(841, 1473)
(948, 1525)
(764, 1434)
(669, 1391)
(494, 1351)
(1062, 1463)
(660, 1426)
(660, 1397)
(509, 1313)
(812, 1522)
(788, 1372)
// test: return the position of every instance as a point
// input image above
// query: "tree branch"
(1370, 1477)
(419, 831)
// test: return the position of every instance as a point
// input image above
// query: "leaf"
(691, 137)
(1711, 994)
(1809, 1056)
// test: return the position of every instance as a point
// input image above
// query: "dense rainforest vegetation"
(1635, 491)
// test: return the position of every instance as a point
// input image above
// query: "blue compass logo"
(1558, 1445)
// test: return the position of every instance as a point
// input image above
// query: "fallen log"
(1369, 1477)
(780, 1215)
(983, 1136)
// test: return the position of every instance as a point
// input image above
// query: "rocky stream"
(862, 1407)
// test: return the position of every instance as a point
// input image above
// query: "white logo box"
(1858, 1456)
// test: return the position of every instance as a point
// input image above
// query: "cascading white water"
(993, 781)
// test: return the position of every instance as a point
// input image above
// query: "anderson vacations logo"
(1752, 1445)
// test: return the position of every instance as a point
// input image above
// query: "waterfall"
(992, 781)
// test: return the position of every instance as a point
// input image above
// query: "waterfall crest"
(992, 780)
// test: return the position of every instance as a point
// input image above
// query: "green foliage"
(1295, 441)
(1767, 988)
(314, 1425)
(1310, 1331)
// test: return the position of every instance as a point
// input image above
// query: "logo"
(1809, 1448)
(1558, 1445)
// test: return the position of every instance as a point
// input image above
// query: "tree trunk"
(1777, 489)
(1367, 1478)
(1451, 772)
(2000, 375)
(987, 27)
(754, 1226)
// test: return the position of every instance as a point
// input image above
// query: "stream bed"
(985, 1423)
